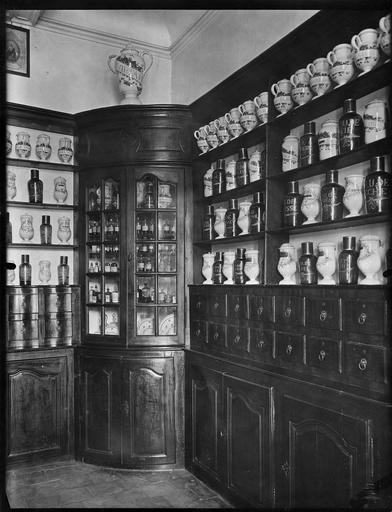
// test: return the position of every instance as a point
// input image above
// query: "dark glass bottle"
(257, 213)
(308, 145)
(231, 217)
(242, 168)
(46, 230)
(208, 224)
(219, 178)
(378, 187)
(347, 262)
(351, 128)
(331, 197)
(217, 267)
(35, 187)
(239, 264)
(25, 271)
(8, 237)
(63, 271)
(292, 215)
(307, 264)
(92, 199)
(149, 201)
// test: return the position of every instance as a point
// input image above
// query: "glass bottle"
(331, 197)
(217, 267)
(239, 264)
(146, 293)
(307, 264)
(347, 262)
(8, 237)
(351, 128)
(115, 296)
(46, 230)
(219, 178)
(35, 187)
(292, 215)
(25, 271)
(149, 201)
(257, 213)
(108, 295)
(242, 168)
(63, 271)
(208, 224)
(378, 187)
(93, 199)
(144, 229)
(231, 217)
(308, 145)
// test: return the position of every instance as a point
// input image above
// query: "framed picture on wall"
(17, 50)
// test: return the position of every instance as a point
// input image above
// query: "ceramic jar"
(301, 92)
(22, 146)
(255, 166)
(252, 266)
(221, 130)
(26, 230)
(60, 192)
(248, 117)
(43, 149)
(366, 54)
(207, 181)
(328, 139)
(201, 139)
(206, 270)
(131, 67)
(320, 81)
(353, 195)
(385, 35)
(290, 153)
(369, 259)
(261, 102)
(233, 122)
(366, 39)
(374, 120)
(64, 230)
(219, 224)
(342, 66)
(287, 265)
(243, 217)
(8, 143)
(231, 182)
(65, 151)
(282, 96)
(44, 274)
(212, 138)
(310, 205)
(228, 266)
(11, 186)
(326, 262)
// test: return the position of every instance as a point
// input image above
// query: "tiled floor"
(73, 484)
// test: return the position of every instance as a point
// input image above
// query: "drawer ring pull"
(323, 315)
(362, 318)
(260, 344)
(237, 339)
(289, 349)
(362, 364)
(198, 305)
(287, 312)
(198, 332)
(216, 305)
(216, 336)
(236, 308)
(322, 355)
(260, 310)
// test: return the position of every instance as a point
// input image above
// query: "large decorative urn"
(130, 67)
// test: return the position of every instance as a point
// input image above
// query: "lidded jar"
(219, 178)
(63, 271)
(310, 205)
(328, 139)
(308, 145)
(228, 266)
(60, 192)
(44, 274)
(43, 150)
(22, 146)
(378, 187)
(64, 230)
(292, 215)
(290, 153)
(25, 271)
(347, 262)
(307, 264)
(369, 259)
(257, 213)
(231, 217)
(287, 264)
(35, 187)
(242, 168)
(252, 266)
(331, 197)
(351, 128)
(207, 182)
(326, 262)
(255, 166)
(26, 230)
(11, 185)
(217, 268)
(219, 224)
(230, 175)
(206, 270)
(239, 266)
(65, 151)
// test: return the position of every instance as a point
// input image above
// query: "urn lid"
(243, 154)
(258, 197)
(307, 247)
(377, 164)
(233, 204)
(34, 173)
(331, 176)
(240, 253)
(310, 127)
(349, 105)
(292, 187)
(45, 219)
(25, 258)
(220, 164)
(210, 210)
(349, 243)
(63, 260)
(219, 255)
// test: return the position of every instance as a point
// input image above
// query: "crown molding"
(21, 18)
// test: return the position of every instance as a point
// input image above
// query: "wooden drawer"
(261, 309)
(365, 316)
(237, 307)
(57, 299)
(217, 304)
(365, 362)
(237, 339)
(198, 305)
(261, 342)
(289, 310)
(58, 329)
(22, 300)
(289, 347)
(198, 331)
(23, 331)
(323, 354)
(216, 335)
(323, 313)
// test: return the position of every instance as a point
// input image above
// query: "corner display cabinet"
(288, 390)
(134, 170)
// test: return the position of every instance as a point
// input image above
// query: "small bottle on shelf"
(46, 230)
(351, 128)
(25, 271)
(239, 264)
(347, 262)
(63, 271)
(378, 187)
(144, 229)
(35, 187)
(108, 295)
(8, 238)
(217, 267)
(242, 168)
(138, 229)
(331, 197)
(308, 145)
(146, 293)
(231, 217)
(257, 213)
(208, 223)
(219, 178)
(149, 201)
(307, 264)
(292, 215)
(115, 296)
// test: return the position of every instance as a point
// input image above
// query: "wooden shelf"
(41, 246)
(42, 206)
(234, 239)
(234, 193)
(32, 164)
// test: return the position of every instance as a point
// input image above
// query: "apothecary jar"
(369, 259)
(208, 261)
(11, 186)
(44, 274)
(65, 151)
(43, 150)
(22, 146)
(326, 262)
(252, 266)
(287, 265)
(60, 192)
(64, 230)
(26, 230)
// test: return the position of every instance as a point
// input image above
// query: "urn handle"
(310, 69)
(110, 63)
(362, 365)
(331, 58)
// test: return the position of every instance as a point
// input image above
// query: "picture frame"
(17, 50)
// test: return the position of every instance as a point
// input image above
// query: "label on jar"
(231, 228)
(242, 173)
(308, 150)
(239, 276)
(217, 275)
(331, 203)
(378, 192)
(350, 134)
(307, 270)
(256, 214)
(348, 270)
(291, 210)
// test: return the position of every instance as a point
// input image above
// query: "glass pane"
(167, 226)
(94, 227)
(94, 258)
(94, 197)
(167, 289)
(167, 195)
(111, 227)
(167, 257)
(94, 290)
(145, 192)
(167, 321)
(145, 289)
(112, 322)
(111, 290)
(112, 258)
(145, 321)
(112, 195)
(145, 257)
(145, 226)
(94, 320)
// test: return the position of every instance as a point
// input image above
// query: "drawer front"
(237, 339)
(261, 309)
(261, 342)
(365, 317)
(22, 331)
(289, 310)
(217, 305)
(198, 305)
(58, 326)
(323, 313)
(58, 302)
(198, 331)
(216, 335)
(323, 354)
(365, 362)
(23, 303)
(289, 347)
(237, 307)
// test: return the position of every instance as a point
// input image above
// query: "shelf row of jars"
(111, 228)
(339, 66)
(111, 294)
(146, 254)
(151, 193)
(111, 196)
(326, 264)
(328, 202)
(44, 274)
(26, 230)
(166, 286)
(350, 133)
(111, 258)
(43, 149)
(221, 177)
(35, 188)
(231, 267)
(146, 226)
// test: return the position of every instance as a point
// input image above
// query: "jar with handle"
(320, 81)
(384, 39)
(326, 262)
(369, 259)
(342, 65)
(287, 265)
(353, 195)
